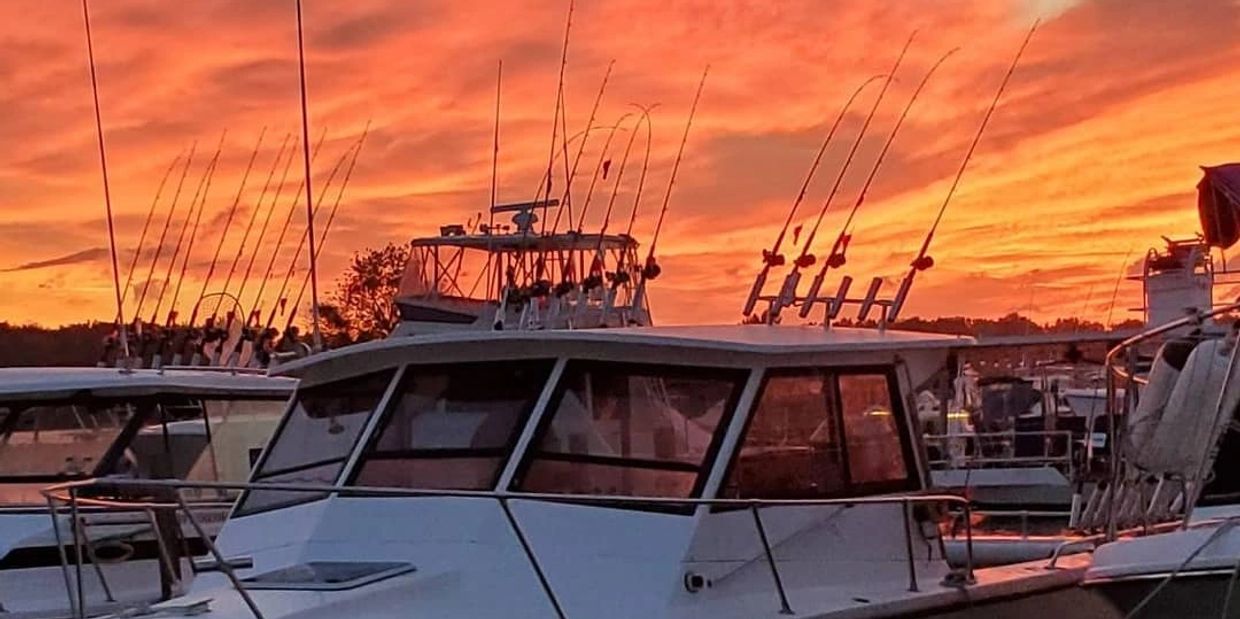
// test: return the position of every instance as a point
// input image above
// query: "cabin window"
(452, 426)
(52, 441)
(315, 438)
(817, 433)
(631, 430)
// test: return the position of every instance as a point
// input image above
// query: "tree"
(362, 307)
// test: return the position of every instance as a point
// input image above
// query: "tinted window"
(453, 426)
(316, 437)
(631, 430)
(816, 433)
(60, 440)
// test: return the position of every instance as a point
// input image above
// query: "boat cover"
(1218, 204)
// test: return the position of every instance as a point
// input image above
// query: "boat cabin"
(64, 424)
(733, 471)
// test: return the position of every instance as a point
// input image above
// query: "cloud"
(86, 255)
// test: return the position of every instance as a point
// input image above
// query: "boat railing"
(155, 496)
(972, 450)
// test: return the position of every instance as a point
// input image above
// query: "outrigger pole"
(310, 208)
(787, 293)
(836, 258)
(107, 191)
(651, 269)
(923, 260)
(772, 258)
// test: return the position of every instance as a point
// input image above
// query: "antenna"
(499, 83)
(305, 151)
(773, 258)
(923, 261)
(836, 258)
(107, 191)
(787, 293)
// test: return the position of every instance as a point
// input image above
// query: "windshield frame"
(737, 377)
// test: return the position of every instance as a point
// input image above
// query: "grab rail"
(70, 493)
(1051, 437)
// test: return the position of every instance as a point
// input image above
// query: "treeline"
(74, 345)
(82, 344)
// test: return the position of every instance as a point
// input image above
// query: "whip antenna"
(923, 261)
(107, 191)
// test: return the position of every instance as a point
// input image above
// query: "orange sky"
(1092, 154)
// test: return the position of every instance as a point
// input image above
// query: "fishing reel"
(564, 287)
(922, 263)
(652, 269)
(805, 261)
(591, 282)
(773, 259)
(619, 278)
(540, 288)
(835, 261)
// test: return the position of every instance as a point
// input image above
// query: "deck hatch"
(328, 575)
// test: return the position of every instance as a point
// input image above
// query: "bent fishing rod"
(788, 292)
(772, 258)
(837, 258)
(621, 276)
(650, 268)
(923, 261)
(596, 272)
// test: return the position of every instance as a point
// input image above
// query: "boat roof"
(514, 241)
(50, 383)
(719, 344)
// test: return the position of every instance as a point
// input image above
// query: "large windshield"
(453, 425)
(631, 430)
(316, 437)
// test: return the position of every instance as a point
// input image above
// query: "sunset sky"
(1091, 156)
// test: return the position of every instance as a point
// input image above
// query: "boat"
(65, 424)
(723, 471)
(511, 276)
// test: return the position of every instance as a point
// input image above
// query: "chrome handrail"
(69, 493)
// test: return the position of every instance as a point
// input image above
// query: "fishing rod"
(150, 214)
(205, 187)
(292, 266)
(836, 258)
(596, 272)
(163, 283)
(107, 191)
(566, 201)
(559, 103)
(262, 231)
(772, 258)
(787, 293)
(232, 212)
(599, 168)
(245, 237)
(621, 275)
(650, 269)
(331, 217)
(163, 235)
(288, 220)
(923, 261)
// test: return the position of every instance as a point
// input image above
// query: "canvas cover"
(1218, 204)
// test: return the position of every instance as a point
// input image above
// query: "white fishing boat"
(732, 471)
(64, 424)
(501, 276)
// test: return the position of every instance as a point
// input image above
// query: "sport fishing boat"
(731, 471)
(501, 276)
(64, 424)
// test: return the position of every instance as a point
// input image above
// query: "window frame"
(912, 479)
(739, 379)
(239, 508)
(504, 453)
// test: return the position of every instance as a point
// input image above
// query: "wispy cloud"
(86, 255)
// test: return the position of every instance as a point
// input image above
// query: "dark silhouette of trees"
(362, 308)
